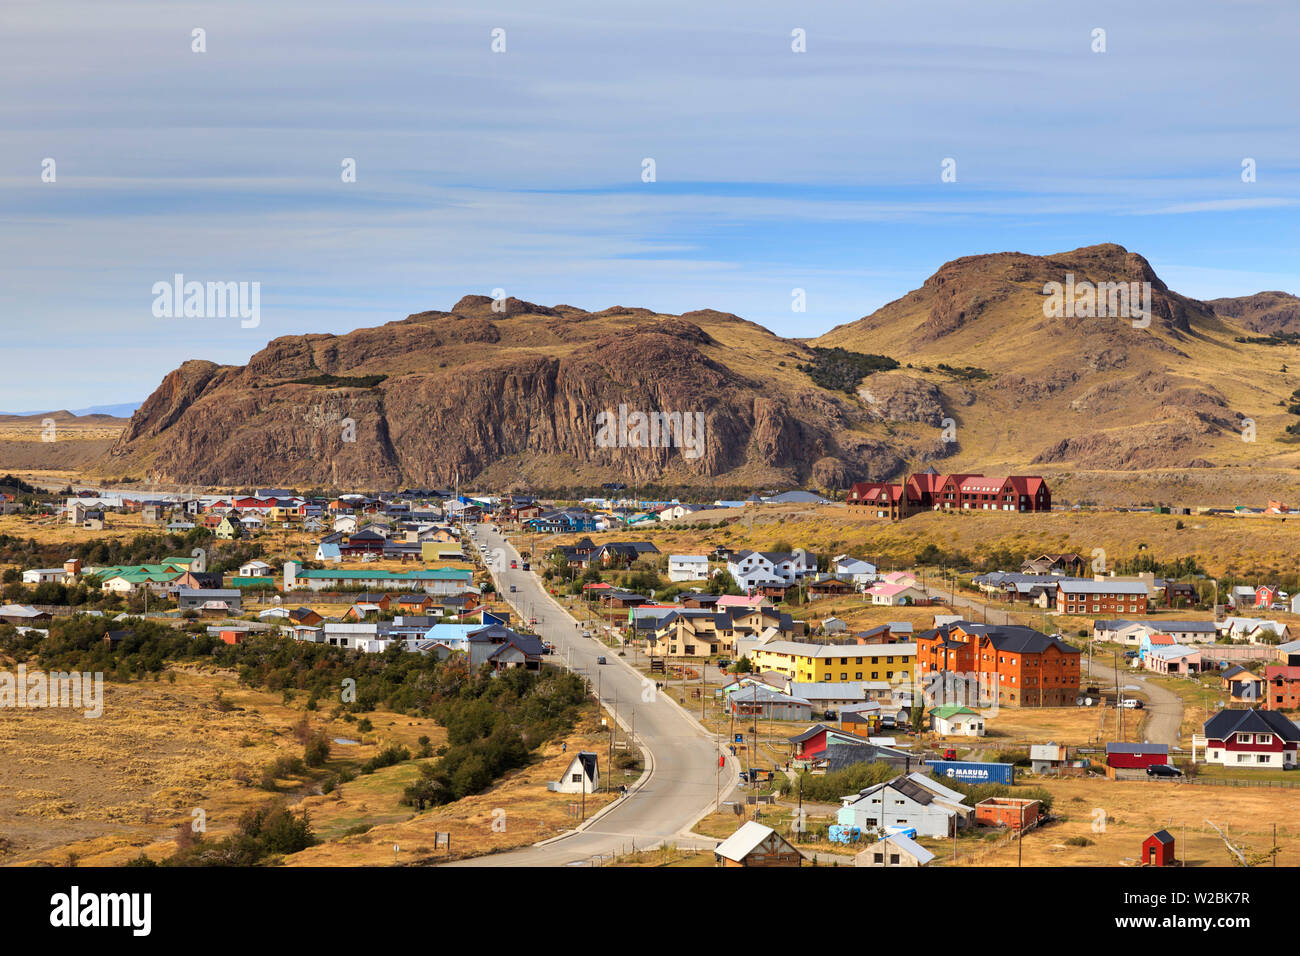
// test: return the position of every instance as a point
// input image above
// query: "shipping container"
(965, 771)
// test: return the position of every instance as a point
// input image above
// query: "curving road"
(684, 772)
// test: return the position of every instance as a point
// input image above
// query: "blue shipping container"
(964, 771)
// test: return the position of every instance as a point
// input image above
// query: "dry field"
(517, 811)
(77, 444)
(1220, 543)
(1134, 810)
(105, 788)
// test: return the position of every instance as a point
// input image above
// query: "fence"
(1232, 782)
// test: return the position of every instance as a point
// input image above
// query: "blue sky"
(522, 170)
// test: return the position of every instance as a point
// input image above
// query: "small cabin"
(1158, 849)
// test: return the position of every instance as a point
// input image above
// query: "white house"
(673, 512)
(910, 801)
(894, 850)
(44, 576)
(255, 569)
(753, 569)
(1253, 629)
(582, 775)
(854, 570)
(688, 567)
(954, 720)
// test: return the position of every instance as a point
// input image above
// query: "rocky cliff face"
(513, 397)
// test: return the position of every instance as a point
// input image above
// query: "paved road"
(684, 759)
(1164, 708)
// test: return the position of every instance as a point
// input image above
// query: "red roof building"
(1158, 849)
(929, 490)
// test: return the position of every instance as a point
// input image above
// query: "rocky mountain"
(1265, 313)
(513, 398)
(1080, 360)
(1042, 364)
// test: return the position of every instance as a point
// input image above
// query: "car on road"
(600, 660)
(512, 589)
(1131, 703)
(527, 567)
(514, 565)
(723, 663)
(1163, 770)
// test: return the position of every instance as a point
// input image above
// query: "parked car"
(724, 663)
(950, 754)
(600, 660)
(1129, 655)
(1163, 770)
(1131, 703)
(527, 567)
(512, 589)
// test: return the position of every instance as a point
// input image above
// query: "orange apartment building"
(1028, 668)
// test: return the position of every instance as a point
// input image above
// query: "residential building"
(1248, 738)
(954, 720)
(836, 663)
(757, 845)
(1026, 667)
(581, 776)
(894, 850)
(1283, 687)
(912, 801)
(688, 567)
(1107, 596)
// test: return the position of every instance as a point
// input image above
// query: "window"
(577, 778)
(1243, 738)
(1265, 738)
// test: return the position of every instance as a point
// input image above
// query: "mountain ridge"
(507, 392)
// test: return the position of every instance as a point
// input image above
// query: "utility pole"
(1119, 711)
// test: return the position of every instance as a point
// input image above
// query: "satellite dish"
(1087, 701)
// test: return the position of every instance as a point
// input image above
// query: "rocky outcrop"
(461, 394)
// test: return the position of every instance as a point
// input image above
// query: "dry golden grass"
(105, 788)
(517, 811)
(1218, 542)
(1135, 809)
(56, 530)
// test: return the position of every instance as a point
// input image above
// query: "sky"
(521, 168)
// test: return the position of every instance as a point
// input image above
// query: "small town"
(844, 710)
(597, 437)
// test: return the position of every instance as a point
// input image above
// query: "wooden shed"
(1158, 849)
